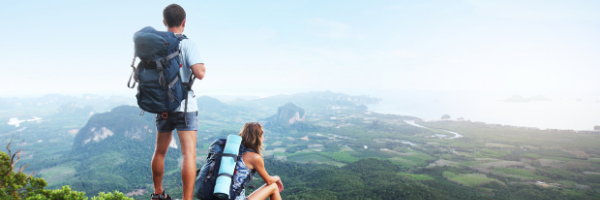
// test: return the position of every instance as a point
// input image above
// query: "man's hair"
(173, 15)
(251, 134)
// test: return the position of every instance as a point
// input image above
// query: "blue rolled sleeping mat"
(228, 161)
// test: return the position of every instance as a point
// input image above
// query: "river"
(411, 122)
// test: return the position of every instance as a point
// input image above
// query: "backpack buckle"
(164, 115)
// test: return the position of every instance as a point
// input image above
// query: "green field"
(55, 176)
(470, 180)
(515, 135)
(494, 153)
(532, 155)
(522, 173)
(313, 158)
(340, 156)
(416, 177)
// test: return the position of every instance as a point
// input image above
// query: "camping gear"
(228, 161)
(206, 177)
(160, 89)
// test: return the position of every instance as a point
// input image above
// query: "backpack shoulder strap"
(242, 151)
(248, 180)
(134, 75)
(180, 37)
(190, 82)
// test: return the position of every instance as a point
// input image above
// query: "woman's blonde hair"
(251, 134)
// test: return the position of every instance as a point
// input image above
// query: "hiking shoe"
(163, 196)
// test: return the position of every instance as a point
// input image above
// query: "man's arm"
(199, 70)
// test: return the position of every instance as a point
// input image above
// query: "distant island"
(520, 99)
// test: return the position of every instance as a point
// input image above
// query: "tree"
(110, 196)
(16, 185)
(597, 128)
(445, 116)
(64, 193)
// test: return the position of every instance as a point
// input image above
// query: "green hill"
(289, 114)
(314, 101)
(288, 117)
(112, 152)
(73, 109)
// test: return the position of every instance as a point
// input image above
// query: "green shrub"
(16, 185)
(110, 196)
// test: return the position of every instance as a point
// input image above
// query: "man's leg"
(187, 139)
(158, 160)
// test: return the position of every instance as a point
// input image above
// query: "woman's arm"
(258, 164)
(255, 162)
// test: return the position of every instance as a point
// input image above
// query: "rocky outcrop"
(289, 114)
(289, 117)
(123, 123)
(98, 135)
(296, 118)
(113, 151)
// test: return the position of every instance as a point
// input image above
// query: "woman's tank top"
(241, 175)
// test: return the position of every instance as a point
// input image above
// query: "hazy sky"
(76, 47)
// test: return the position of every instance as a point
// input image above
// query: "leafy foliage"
(111, 196)
(365, 179)
(18, 185)
(65, 193)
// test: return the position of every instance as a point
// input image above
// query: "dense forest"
(324, 146)
(373, 178)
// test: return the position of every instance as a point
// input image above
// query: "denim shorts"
(175, 120)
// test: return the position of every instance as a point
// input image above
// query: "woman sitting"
(252, 161)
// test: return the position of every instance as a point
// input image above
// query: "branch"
(32, 173)
(14, 163)
(9, 152)
(22, 168)
(12, 158)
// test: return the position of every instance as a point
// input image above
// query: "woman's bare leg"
(265, 191)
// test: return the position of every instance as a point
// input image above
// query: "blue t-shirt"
(189, 56)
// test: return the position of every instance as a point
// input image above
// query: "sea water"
(577, 112)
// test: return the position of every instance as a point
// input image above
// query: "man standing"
(174, 19)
